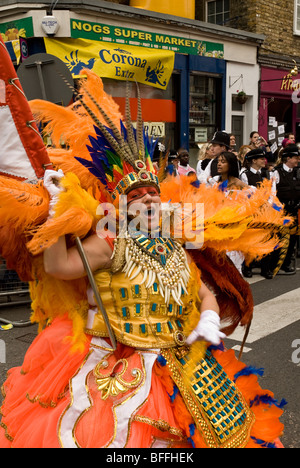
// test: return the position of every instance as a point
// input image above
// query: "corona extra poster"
(117, 61)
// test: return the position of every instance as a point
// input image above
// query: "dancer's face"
(145, 203)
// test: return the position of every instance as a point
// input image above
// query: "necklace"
(160, 260)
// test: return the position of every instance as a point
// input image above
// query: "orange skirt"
(99, 398)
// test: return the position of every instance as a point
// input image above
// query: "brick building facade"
(276, 20)
(279, 23)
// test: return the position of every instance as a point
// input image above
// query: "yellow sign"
(118, 61)
(179, 8)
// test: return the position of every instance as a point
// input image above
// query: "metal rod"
(21, 323)
(245, 338)
(96, 292)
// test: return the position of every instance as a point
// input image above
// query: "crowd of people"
(220, 162)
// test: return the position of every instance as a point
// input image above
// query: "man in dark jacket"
(287, 178)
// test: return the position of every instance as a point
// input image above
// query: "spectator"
(172, 165)
(233, 144)
(254, 140)
(287, 179)
(219, 143)
(205, 155)
(255, 162)
(228, 179)
(183, 166)
(228, 171)
(257, 141)
(241, 156)
(288, 140)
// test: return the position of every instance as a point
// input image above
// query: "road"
(273, 343)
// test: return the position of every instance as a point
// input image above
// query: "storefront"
(185, 108)
(185, 112)
(279, 111)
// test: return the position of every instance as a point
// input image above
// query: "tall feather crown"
(121, 159)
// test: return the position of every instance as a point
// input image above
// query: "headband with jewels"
(122, 160)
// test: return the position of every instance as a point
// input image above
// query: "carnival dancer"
(157, 374)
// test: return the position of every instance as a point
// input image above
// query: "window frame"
(215, 14)
(296, 31)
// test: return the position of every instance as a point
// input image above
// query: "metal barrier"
(12, 287)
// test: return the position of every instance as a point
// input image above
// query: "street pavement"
(273, 343)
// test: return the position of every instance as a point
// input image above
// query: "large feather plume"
(22, 206)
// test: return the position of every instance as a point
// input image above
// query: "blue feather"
(220, 347)
(192, 432)
(100, 174)
(249, 371)
(161, 360)
(277, 207)
(175, 392)
(123, 130)
(267, 400)
(263, 443)
(100, 163)
(223, 186)
(196, 183)
(192, 429)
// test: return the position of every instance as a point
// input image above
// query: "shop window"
(236, 105)
(297, 17)
(202, 108)
(218, 11)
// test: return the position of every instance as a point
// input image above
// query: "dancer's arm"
(66, 264)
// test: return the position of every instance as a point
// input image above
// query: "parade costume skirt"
(127, 398)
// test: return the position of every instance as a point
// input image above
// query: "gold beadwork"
(113, 384)
(168, 267)
(218, 408)
(159, 424)
(135, 179)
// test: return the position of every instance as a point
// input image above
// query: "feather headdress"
(118, 155)
(121, 159)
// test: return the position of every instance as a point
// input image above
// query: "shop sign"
(111, 61)
(14, 29)
(278, 81)
(150, 40)
(289, 83)
(155, 129)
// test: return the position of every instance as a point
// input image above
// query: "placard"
(200, 134)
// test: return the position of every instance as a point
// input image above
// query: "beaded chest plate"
(217, 406)
(160, 260)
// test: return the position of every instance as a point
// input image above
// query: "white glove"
(52, 183)
(208, 329)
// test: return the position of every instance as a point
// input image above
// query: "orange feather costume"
(71, 377)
